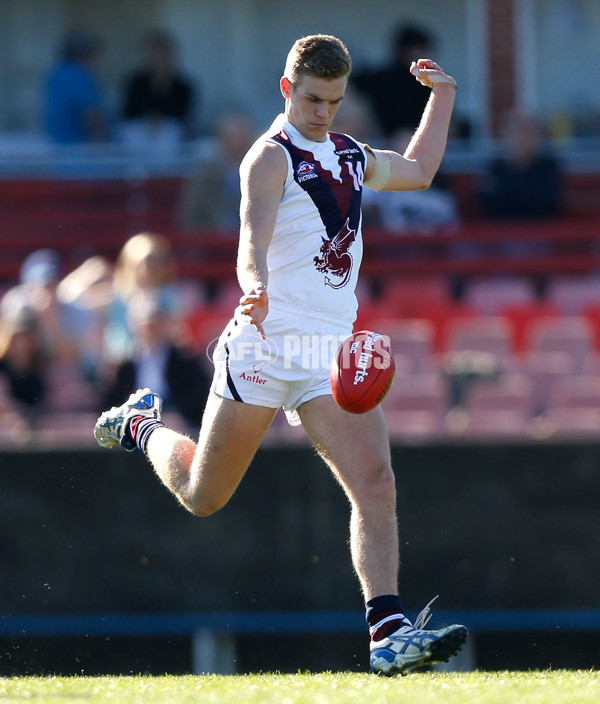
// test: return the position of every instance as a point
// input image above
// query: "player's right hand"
(428, 73)
(255, 305)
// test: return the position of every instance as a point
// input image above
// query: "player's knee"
(378, 483)
(204, 506)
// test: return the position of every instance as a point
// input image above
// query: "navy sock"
(140, 429)
(385, 614)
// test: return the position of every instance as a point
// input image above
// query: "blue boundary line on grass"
(285, 622)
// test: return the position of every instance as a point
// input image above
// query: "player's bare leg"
(356, 448)
(204, 475)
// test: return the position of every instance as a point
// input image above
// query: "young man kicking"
(299, 253)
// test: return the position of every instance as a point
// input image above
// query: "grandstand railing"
(213, 635)
(82, 217)
(476, 248)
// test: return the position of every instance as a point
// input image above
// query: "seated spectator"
(211, 197)
(158, 98)
(74, 102)
(23, 364)
(379, 85)
(355, 117)
(524, 180)
(88, 289)
(411, 211)
(147, 263)
(62, 325)
(157, 361)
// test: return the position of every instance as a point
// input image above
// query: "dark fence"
(507, 527)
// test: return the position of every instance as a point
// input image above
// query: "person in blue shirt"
(74, 101)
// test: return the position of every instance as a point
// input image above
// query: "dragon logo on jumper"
(335, 260)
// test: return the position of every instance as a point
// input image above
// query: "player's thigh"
(355, 446)
(230, 434)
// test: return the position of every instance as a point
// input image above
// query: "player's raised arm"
(262, 177)
(415, 169)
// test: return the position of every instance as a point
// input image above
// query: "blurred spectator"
(62, 325)
(147, 263)
(88, 288)
(411, 211)
(89, 285)
(23, 364)
(158, 98)
(211, 197)
(381, 85)
(75, 110)
(524, 181)
(355, 117)
(157, 361)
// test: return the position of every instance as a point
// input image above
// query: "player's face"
(311, 104)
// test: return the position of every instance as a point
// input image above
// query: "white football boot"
(411, 646)
(111, 427)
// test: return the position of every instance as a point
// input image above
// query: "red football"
(362, 371)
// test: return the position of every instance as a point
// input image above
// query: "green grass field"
(551, 687)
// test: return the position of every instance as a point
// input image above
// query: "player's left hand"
(255, 305)
(428, 73)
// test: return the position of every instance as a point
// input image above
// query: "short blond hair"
(135, 251)
(320, 55)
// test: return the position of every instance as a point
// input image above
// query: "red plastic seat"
(482, 334)
(572, 294)
(441, 316)
(510, 392)
(543, 369)
(578, 391)
(411, 341)
(521, 317)
(497, 423)
(573, 423)
(490, 295)
(404, 295)
(572, 335)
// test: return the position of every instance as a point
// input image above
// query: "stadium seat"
(574, 423)
(490, 295)
(204, 324)
(482, 334)
(591, 364)
(411, 341)
(575, 392)
(543, 369)
(417, 405)
(441, 316)
(510, 392)
(497, 423)
(521, 317)
(411, 425)
(571, 294)
(572, 335)
(403, 295)
(592, 314)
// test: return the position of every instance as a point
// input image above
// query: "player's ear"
(286, 87)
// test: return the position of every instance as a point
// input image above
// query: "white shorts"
(288, 368)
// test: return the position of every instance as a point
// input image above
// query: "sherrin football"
(362, 371)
